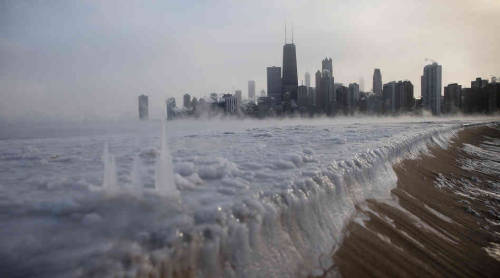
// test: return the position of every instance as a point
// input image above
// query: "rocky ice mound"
(257, 198)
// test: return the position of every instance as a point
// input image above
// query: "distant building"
(251, 90)
(452, 98)
(264, 105)
(237, 94)
(171, 108)
(327, 64)
(354, 96)
(274, 83)
(362, 84)
(482, 97)
(143, 107)
(230, 103)
(289, 79)
(302, 96)
(187, 101)
(406, 96)
(343, 101)
(389, 98)
(325, 93)
(262, 93)
(431, 88)
(307, 78)
(479, 83)
(377, 82)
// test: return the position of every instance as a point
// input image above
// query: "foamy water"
(252, 198)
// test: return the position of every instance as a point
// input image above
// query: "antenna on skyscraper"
(285, 33)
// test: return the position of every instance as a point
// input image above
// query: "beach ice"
(255, 198)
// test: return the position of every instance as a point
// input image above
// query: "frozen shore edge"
(289, 234)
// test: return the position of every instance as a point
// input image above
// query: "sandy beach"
(424, 230)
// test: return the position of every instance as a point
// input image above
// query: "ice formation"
(259, 199)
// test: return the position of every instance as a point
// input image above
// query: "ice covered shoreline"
(442, 219)
(256, 201)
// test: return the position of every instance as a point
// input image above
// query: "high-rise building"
(407, 100)
(431, 88)
(302, 96)
(452, 98)
(353, 96)
(237, 94)
(262, 93)
(307, 78)
(317, 99)
(342, 98)
(143, 107)
(289, 80)
(389, 97)
(251, 90)
(377, 82)
(187, 101)
(274, 84)
(327, 64)
(230, 103)
(326, 97)
(171, 108)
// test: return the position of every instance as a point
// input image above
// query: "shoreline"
(423, 230)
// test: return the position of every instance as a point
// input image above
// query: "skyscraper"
(290, 81)
(326, 64)
(274, 83)
(317, 99)
(431, 88)
(452, 98)
(143, 107)
(377, 82)
(251, 90)
(307, 78)
(326, 98)
(353, 96)
(237, 94)
(187, 101)
(389, 98)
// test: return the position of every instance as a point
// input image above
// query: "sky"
(88, 60)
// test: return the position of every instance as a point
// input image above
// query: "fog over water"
(89, 60)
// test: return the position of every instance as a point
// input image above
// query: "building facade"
(377, 82)
(431, 88)
(389, 98)
(251, 90)
(143, 107)
(274, 84)
(452, 98)
(289, 79)
(186, 101)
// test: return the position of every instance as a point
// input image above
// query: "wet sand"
(424, 231)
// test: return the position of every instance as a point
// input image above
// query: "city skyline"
(58, 71)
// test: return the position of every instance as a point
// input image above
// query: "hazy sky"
(91, 59)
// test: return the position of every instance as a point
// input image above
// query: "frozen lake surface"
(253, 198)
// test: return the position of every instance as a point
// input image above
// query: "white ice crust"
(255, 198)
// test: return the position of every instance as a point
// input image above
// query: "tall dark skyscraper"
(377, 82)
(143, 107)
(430, 87)
(327, 64)
(274, 83)
(290, 81)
